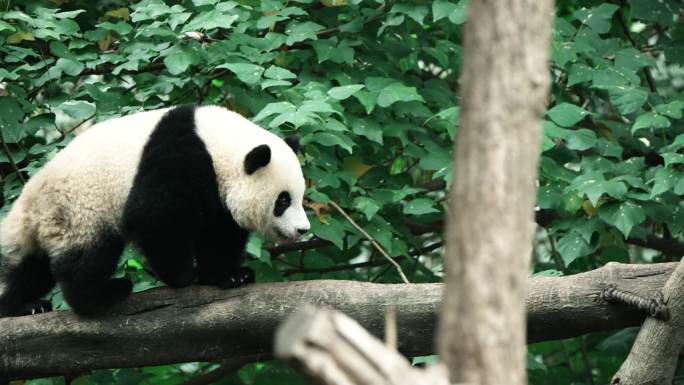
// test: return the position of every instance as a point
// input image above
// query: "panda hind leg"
(85, 276)
(22, 285)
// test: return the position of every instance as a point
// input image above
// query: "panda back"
(91, 177)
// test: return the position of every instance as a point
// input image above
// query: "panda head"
(271, 195)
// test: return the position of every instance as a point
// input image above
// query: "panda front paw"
(241, 277)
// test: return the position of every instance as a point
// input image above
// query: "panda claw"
(240, 278)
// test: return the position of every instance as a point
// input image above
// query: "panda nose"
(302, 231)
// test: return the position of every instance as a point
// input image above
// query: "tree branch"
(200, 323)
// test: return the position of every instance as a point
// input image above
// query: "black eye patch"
(282, 203)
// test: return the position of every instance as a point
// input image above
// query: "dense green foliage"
(372, 89)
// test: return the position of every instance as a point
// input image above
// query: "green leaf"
(613, 77)
(301, 31)
(77, 109)
(597, 18)
(5, 26)
(368, 128)
(679, 187)
(367, 206)
(397, 92)
(330, 139)
(122, 28)
(627, 99)
(573, 246)
(274, 83)
(664, 181)
(655, 11)
(392, 21)
(581, 139)
(442, 9)
(275, 108)
(672, 109)
(179, 60)
(420, 206)
(278, 73)
(69, 66)
(624, 216)
(344, 92)
(650, 120)
(455, 12)
(69, 14)
(367, 99)
(593, 185)
(672, 158)
(633, 60)
(534, 363)
(580, 73)
(566, 114)
(247, 73)
(10, 115)
(330, 232)
(415, 12)
(152, 9)
(210, 20)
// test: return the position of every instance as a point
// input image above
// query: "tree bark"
(655, 353)
(505, 82)
(333, 349)
(163, 326)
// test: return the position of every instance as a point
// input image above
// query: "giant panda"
(185, 184)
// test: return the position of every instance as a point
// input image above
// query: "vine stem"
(6, 150)
(371, 239)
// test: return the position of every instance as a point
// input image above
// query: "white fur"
(85, 186)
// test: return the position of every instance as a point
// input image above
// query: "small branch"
(6, 150)
(625, 30)
(655, 353)
(357, 265)
(371, 239)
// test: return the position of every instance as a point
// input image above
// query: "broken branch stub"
(333, 349)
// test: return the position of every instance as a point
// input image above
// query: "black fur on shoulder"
(174, 212)
(257, 158)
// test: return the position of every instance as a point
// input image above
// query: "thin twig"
(6, 150)
(554, 254)
(371, 239)
(625, 30)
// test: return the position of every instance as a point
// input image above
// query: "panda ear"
(293, 142)
(257, 158)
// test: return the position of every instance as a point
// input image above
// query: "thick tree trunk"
(505, 83)
(655, 353)
(163, 326)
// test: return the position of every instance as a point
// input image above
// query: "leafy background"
(372, 88)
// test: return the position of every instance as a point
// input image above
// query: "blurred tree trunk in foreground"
(505, 83)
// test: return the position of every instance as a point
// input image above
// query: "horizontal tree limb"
(199, 323)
